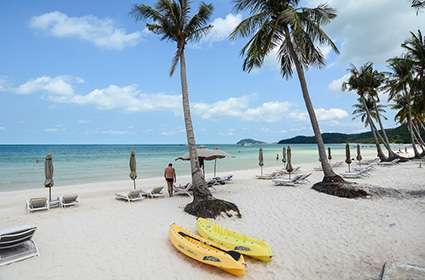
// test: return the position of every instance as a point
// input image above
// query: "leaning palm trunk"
(330, 175)
(198, 182)
(386, 142)
(418, 133)
(381, 155)
(203, 204)
(409, 123)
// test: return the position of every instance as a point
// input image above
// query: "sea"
(22, 166)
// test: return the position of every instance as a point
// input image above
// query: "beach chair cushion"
(157, 190)
(39, 202)
(15, 236)
(69, 198)
(133, 194)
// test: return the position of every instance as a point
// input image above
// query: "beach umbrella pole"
(50, 194)
(215, 167)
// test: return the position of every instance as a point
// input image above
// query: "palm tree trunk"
(326, 167)
(412, 138)
(381, 155)
(385, 141)
(418, 137)
(203, 204)
(198, 181)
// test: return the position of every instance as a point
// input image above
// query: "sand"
(313, 235)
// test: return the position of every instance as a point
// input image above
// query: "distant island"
(395, 135)
(249, 142)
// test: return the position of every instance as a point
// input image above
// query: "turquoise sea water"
(22, 166)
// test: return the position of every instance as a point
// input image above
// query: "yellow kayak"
(206, 251)
(246, 245)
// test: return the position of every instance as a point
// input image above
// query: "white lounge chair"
(356, 174)
(130, 196)
(390, 163)
(16, 244)
(155, 192)
(297, 180)
(37, 204)
(277, 174)
(183, 190)
(69, 200)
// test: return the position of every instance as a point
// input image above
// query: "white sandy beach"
(313, 235)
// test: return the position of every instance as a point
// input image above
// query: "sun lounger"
(130, 196)
(69, 200)
(333, 165)
(183, 190)
(37, 204)
(156, 192)
(390, 163)
(297, 180)
(356, 174)
(276, 174)
(16, 244)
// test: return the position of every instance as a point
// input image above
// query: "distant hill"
(396, 135)
(249, 142)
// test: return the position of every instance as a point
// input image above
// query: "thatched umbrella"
(359, 155)
(133, 172)
(329, 153)
(206, 154)
(289, 167)
(261, 159)
(284, 154)
(48, 173)
(347, 156)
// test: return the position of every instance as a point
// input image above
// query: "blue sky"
(86, 72)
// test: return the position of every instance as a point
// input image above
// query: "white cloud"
(2, 128)
(61, 89)
(336, 85)
(222, 27)
(332, 114)
(100, 32)
(372, 30)
(271, 111)
(55, 86)
(128, 98)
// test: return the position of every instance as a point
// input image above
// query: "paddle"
(235, 255)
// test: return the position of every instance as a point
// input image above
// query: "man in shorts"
(170, 177)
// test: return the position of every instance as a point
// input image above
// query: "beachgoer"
(277, 156)
(170, 177)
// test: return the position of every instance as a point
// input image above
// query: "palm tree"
(399, 86)
(417, 4)
(171, 20)
(360, 81)
(297, 35)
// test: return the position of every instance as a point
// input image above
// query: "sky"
(88, 72)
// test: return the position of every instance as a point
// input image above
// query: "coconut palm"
(417, 4)
(295, 34)
(359, 111)
(375, 80)
(171, 20)
(399, 87)
(360, 81)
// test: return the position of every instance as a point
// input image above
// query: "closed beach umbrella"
(133, 172)
(261, 159)
(48, 173)
(329, 153)
(284, 154)
(347, 156)
(289, 167)
(359, 155)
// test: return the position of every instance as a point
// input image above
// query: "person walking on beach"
(170, 177)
